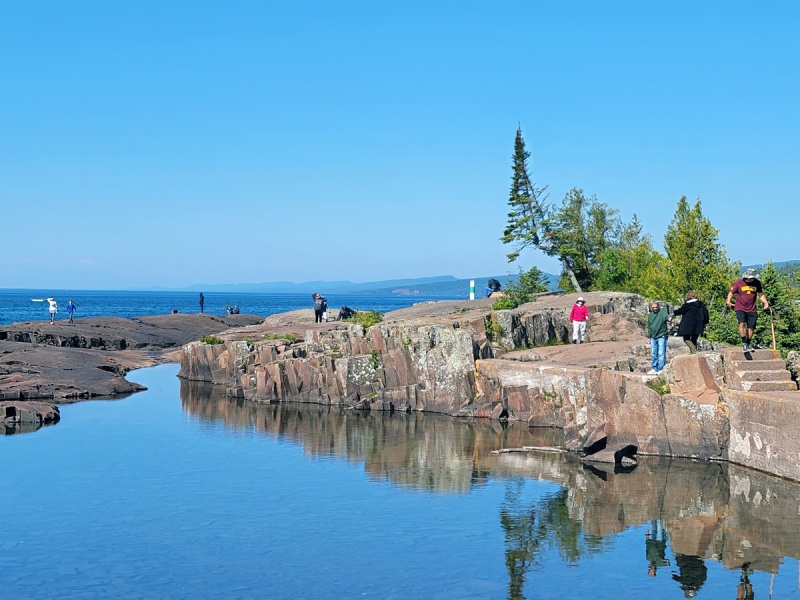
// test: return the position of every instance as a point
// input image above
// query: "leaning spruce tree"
(527, 225)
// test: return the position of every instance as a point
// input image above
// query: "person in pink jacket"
(578, 316)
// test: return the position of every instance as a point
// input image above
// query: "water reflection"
(692, 511)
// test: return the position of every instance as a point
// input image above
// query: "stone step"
(772, 364)
(764, 386)
(773, 375)
(736, 353)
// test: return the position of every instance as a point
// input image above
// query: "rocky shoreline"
(42, 364)
(459, 358)
(464, 359)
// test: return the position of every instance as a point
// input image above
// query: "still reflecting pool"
(178, 492)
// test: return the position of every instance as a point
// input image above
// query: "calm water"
(18, 305)
(178, 493)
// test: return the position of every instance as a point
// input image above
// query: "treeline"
(597, 250)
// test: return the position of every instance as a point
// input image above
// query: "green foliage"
(289, 337)
(527, 206)
(211, 340)
(523, 290)
(493, 328)
(460, 310)
(367, 318)
(695, 258)
(376, 359)
(659, 385)
(583, 229)
(505, 303)
(784, 299)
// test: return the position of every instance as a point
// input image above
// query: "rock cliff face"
(463, 359)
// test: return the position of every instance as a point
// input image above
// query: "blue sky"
(175, 143)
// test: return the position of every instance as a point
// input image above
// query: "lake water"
(178, 492)
(18, 305)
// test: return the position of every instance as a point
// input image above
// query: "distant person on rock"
(345, 313)
(657, 332)
(747, 290)
(694, 318)
(578, 315)
(492, 286)
(320, 304)
(53, 309)
(71, 308)
(202, 301)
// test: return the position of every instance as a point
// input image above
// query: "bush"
(366, 318)
(211, 340)
(523, 290)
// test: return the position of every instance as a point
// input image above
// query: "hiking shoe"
(652, 372)
(745, 348)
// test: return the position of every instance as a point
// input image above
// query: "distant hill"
(323, 287)
(458, 288)
(444, 285)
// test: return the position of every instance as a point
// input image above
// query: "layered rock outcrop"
(464, 359)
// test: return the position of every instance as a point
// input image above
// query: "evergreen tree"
(527, 225)
(695, 258)
(783, 299)
(523, 290)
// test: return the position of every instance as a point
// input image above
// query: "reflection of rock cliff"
(712, 510)
(462, 358)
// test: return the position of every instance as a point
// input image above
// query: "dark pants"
(317, 316)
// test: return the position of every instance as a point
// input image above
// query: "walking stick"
(772, 327)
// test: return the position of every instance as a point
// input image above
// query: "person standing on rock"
(657, 332)
(693, 320)
(747, 290)
(71, 308)
(320, 304)
(53, 310)
(202, 301)
(578, 315)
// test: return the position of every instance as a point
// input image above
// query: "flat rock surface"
(69, 362)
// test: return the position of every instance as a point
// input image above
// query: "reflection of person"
(747, 290)
(744, 591)
(71, 308)
(202, 301)
(692, 573)
(53, 309)
(655, 548)
(578, 316)
(320, 304)
(693, 321)
(657, 332)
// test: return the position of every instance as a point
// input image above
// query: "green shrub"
(659, 385)
(367, 318)
(493, 329)
(211, 340)
(505, 303)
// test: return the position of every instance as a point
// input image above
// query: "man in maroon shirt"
(747, 290)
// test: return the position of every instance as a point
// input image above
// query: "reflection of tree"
(534, 528)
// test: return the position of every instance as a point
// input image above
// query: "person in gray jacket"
(657, 332)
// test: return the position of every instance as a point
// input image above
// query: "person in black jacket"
(693, 321)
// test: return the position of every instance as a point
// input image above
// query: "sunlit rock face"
(464, 359)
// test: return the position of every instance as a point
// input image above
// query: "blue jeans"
(658, 347)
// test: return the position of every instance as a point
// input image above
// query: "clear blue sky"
(173, 143)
